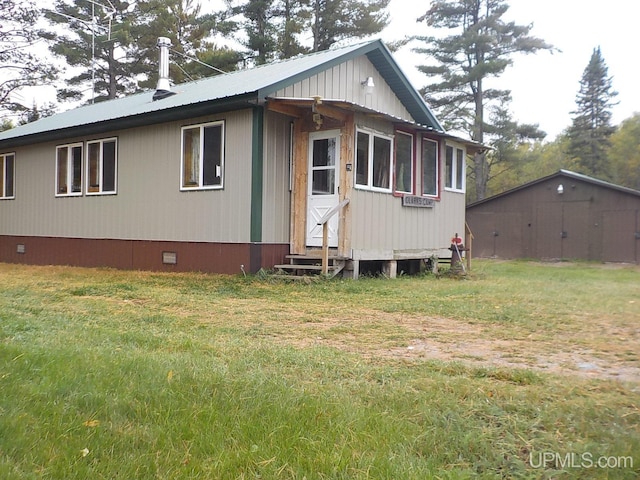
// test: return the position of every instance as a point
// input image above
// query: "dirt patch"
(499, 353)
(418, 338)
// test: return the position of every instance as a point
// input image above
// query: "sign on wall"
(415, 201)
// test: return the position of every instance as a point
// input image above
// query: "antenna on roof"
(93, 26)
(194, 59)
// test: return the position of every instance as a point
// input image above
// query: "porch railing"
(324, 221)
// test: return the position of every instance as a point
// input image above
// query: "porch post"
(299, 193)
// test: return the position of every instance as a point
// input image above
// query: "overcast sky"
(544, 86)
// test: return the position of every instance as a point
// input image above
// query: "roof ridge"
(279, 61)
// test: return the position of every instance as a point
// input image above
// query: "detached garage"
(562, 216)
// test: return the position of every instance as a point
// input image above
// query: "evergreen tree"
(37, 112)
(591, 126)
(20, 65)
(336, 20)
(295, 15)
(277, 29)
(260, 28)
(189, 30)
(112, 45)
(477, 44)
(97, 45)
(511, 144)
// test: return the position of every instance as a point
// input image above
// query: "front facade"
(232, 173)
(562, 216)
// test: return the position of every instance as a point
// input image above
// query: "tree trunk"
(481, 170)
(113, 81)
(316, 26)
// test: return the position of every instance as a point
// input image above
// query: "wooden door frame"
(300, 168)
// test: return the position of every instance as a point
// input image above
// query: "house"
(561, 216)
(233, 173)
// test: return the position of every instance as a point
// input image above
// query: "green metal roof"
(219, 93)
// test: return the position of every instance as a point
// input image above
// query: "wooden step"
(298, 266)
(314, 258)
(311, 264)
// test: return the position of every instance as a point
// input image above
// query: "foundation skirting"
(229, 258)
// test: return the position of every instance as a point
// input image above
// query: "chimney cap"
(163, 42)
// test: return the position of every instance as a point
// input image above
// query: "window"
(454, 169)
(202, 156)
(404, 163)
(69, 170)
(323, 176)
(101, 166)
(7, 169)
(459, 169)
(429, 167)
(373, 161)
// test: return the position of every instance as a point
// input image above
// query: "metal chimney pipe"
(163, 89)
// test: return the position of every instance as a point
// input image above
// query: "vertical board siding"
(380, 222)
(343, 82)
(382, 226)
(276, 206)
(149, 204)
(585, 222)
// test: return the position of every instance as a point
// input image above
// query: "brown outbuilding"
(561, 216)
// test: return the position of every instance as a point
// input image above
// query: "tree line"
(104, 49)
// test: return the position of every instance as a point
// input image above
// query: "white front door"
(324, 178)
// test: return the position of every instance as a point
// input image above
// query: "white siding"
(149, 204)
(343, 82)
(276, 204)
(382, 226)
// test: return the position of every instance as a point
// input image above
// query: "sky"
(543, 85)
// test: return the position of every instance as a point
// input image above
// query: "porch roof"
(354, 107)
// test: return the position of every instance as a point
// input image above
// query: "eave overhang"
(144, 119)
(296, 107)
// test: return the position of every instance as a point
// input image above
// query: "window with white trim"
(454, 169)
(69, 170)
(202, 163)
(373, 161)
(7, 175)
(102, 164)
(404, 163)
(429, 167)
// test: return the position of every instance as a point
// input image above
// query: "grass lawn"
(520, 370)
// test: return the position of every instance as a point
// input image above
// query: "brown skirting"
(142, 254)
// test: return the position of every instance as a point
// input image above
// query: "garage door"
(620, 232)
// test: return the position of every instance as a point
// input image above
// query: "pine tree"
(511, 142)
(295, 15)
(591, 125)
(188, 30)
(260, 27)
(476, 44)
(336, 20)
(20, 64)
(96, 44)
(278, 29)
(111, 45)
